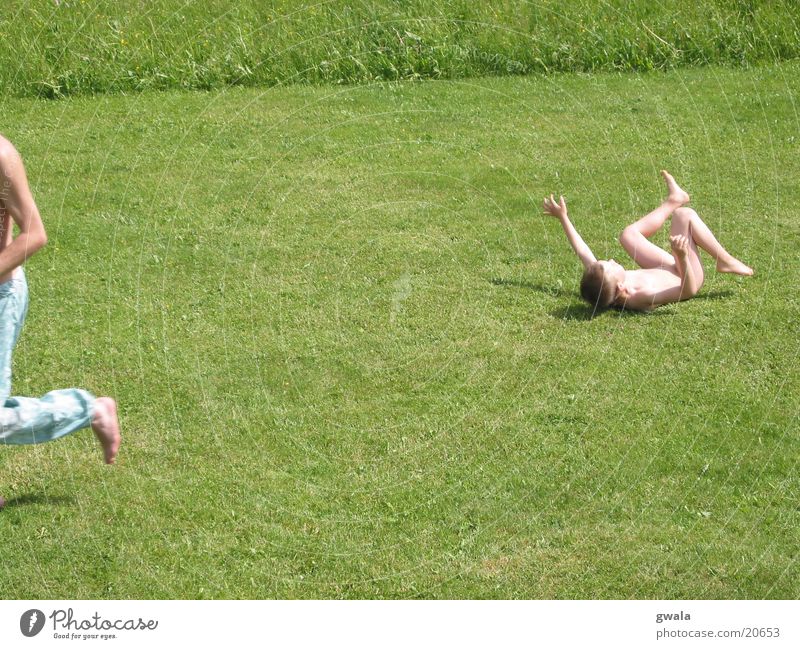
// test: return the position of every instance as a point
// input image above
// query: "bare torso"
(651, 279)
(646, 283)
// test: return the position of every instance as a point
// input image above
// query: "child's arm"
(690, 283)
(559, 210)
(18, 202)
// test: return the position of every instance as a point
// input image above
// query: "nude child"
(662, 278)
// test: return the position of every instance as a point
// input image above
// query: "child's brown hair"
(595, 289)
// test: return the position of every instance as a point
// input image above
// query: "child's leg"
(683, 223)
(703, 237)
(25, 420)
(634, 238)
(13, 307)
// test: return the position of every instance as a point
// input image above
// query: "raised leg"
(635, 237)
(705, 239)
(682, 224)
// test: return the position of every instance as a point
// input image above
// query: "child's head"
(602, 282)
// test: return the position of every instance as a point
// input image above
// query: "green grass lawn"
(350, 356)
(52, 48)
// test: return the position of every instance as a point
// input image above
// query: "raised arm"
(16, 201)
(559, 210)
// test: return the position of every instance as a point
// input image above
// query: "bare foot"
(676, 194)
(2, 502)
(733, 265)
(106, 427)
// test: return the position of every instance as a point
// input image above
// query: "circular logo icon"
(31, 622)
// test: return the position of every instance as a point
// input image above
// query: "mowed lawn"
(350, 356)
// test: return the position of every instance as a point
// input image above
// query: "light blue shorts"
(24, 420)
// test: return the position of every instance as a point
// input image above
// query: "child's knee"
(684, 214)
(681, 221)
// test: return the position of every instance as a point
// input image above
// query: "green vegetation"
(50, 49)
(350, 356)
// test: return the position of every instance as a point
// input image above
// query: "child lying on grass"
(663, 278)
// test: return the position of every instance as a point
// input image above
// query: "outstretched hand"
(553, 208)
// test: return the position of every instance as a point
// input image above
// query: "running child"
(25, 420)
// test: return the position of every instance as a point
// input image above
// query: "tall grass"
(52, 48)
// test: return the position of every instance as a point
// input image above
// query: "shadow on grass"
(39, 499)
(582, 311)
(714, 295)
(551, 290)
